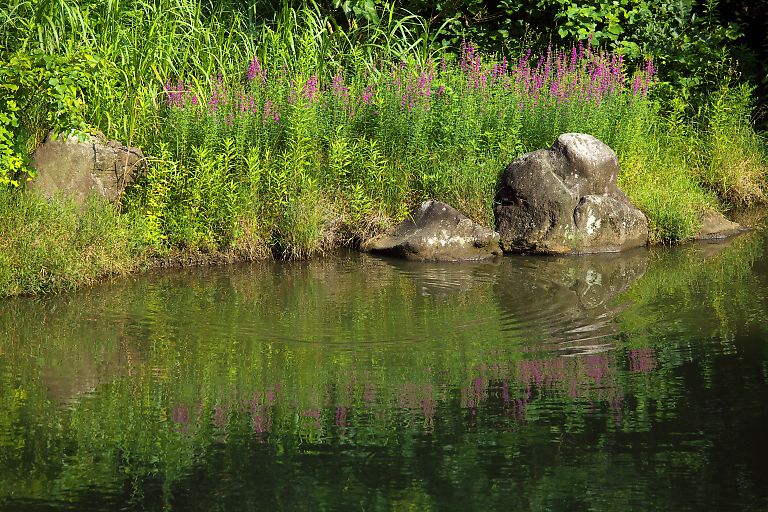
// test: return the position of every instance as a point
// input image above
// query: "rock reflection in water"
(434, 279)
(568, 304)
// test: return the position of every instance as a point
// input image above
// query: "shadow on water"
(608, 382)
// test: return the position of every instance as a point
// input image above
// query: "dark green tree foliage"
(752, 50)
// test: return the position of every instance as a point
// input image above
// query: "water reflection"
(570, 301)
(528, 377)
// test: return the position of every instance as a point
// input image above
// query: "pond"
(625, 382)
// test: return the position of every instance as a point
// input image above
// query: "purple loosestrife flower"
(650, 71)
(271, 113)
(293, 94)
(649, 68)
(368, 94)
(309, 91)
(213, 101)
(574, 59)
(471, 65)
(425, 84)
(495, 72)
(256, 71)
(170, 92)
(179, 95)
(340, 89)
(524, 59)
(499, 71)
(218, 95)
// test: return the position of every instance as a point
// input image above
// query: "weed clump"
(57, 245)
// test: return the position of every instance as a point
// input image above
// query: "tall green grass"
(56, 245)
(320, 159)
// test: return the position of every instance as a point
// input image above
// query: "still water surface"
(632, 382)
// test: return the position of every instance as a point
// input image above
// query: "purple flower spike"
(257, 71)
(339, 88)
(368, 94)
(309, 91)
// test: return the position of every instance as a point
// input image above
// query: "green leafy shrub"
(41, 92)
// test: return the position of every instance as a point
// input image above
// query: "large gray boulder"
(437, 232)
(79, 168)
(565, 200)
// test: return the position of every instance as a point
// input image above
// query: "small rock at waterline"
(715, 226)
(437, 232)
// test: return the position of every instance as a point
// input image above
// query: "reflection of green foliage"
(711, 282)
(290, 363)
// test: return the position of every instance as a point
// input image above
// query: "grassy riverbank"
(294, 137)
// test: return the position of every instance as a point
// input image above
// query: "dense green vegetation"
(294, 129)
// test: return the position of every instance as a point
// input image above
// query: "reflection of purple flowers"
(514, 385)
(369, 395)
(314, 413)
(341, 416)
(261, 423)
(219, 416)
(180, 416)
(642, 360)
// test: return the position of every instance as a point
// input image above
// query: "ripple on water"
(564, 304)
